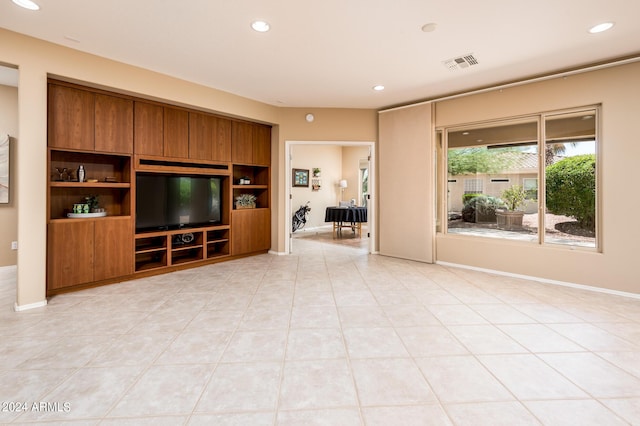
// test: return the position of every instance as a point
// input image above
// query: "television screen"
(170, 202)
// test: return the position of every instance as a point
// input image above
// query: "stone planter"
(509, 220)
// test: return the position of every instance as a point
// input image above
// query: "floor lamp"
(342, 184)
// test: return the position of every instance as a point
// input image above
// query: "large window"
(530, 179)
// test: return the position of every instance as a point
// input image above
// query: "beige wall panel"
(330, 125)
(618, 90)
(9, 212)
(406, 183)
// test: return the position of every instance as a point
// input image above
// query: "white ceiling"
(331, 53)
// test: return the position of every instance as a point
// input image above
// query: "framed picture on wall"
(300, 177)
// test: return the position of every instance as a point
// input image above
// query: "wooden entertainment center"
(115, 137)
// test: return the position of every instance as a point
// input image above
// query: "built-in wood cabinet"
(176, 133)
(251, 143)
(84, 120)
(113, 245)
(71, 118)
(251, 231)
(160, 130)
(70, 253)
(82, 251)
(115, 137)
(113, 124)
(209, 137)
(148, 130)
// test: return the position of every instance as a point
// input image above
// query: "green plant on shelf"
(93, 202)
(246, 201)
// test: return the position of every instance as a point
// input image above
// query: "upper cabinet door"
(113, 124)
(242, 148)
(222, 140)
(148, 129)
(200, 136)
(176, 133)
(261, 145)
(209, 137)
(71, 118)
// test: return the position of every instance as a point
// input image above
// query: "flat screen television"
(173, 202)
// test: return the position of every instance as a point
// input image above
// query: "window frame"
(541, 118)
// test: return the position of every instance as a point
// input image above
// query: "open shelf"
(217, 242)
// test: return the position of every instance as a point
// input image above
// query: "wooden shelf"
(250, 186)
(113, 185)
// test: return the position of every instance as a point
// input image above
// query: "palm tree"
(553, 150)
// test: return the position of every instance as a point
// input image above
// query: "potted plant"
(246, 201)
(513, 198)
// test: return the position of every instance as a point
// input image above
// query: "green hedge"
(571, 189)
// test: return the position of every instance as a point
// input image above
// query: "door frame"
(371, 212)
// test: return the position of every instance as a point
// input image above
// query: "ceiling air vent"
(461, 62)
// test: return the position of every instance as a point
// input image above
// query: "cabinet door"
(242, 143)
(148, 129)
(70, 256)
(209, 137)
(251, 231)
(200, 136)
(261, 145)
(113, 248)
(221, 150)
(176, 133)
(113, 124)
(71, 118)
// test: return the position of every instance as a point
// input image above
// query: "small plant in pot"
(513, 198)
(246, 201)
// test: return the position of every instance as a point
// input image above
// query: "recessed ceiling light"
(378, 88)
(429, 28)
(27, 4)
(465, 133)
(260, 26)
(601, 27)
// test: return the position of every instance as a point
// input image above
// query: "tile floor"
(328, 336)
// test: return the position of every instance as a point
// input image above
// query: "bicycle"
(300, 217)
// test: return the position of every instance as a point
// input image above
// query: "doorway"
(345, 173)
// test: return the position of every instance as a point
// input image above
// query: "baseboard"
(544, 280)
(19, 308)
(278, 253)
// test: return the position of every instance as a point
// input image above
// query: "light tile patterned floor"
(328, 336)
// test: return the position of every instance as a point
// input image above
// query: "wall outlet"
(14, 245)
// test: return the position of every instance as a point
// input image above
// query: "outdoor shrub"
(467, 197)
(480, 208)
(571, 189)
